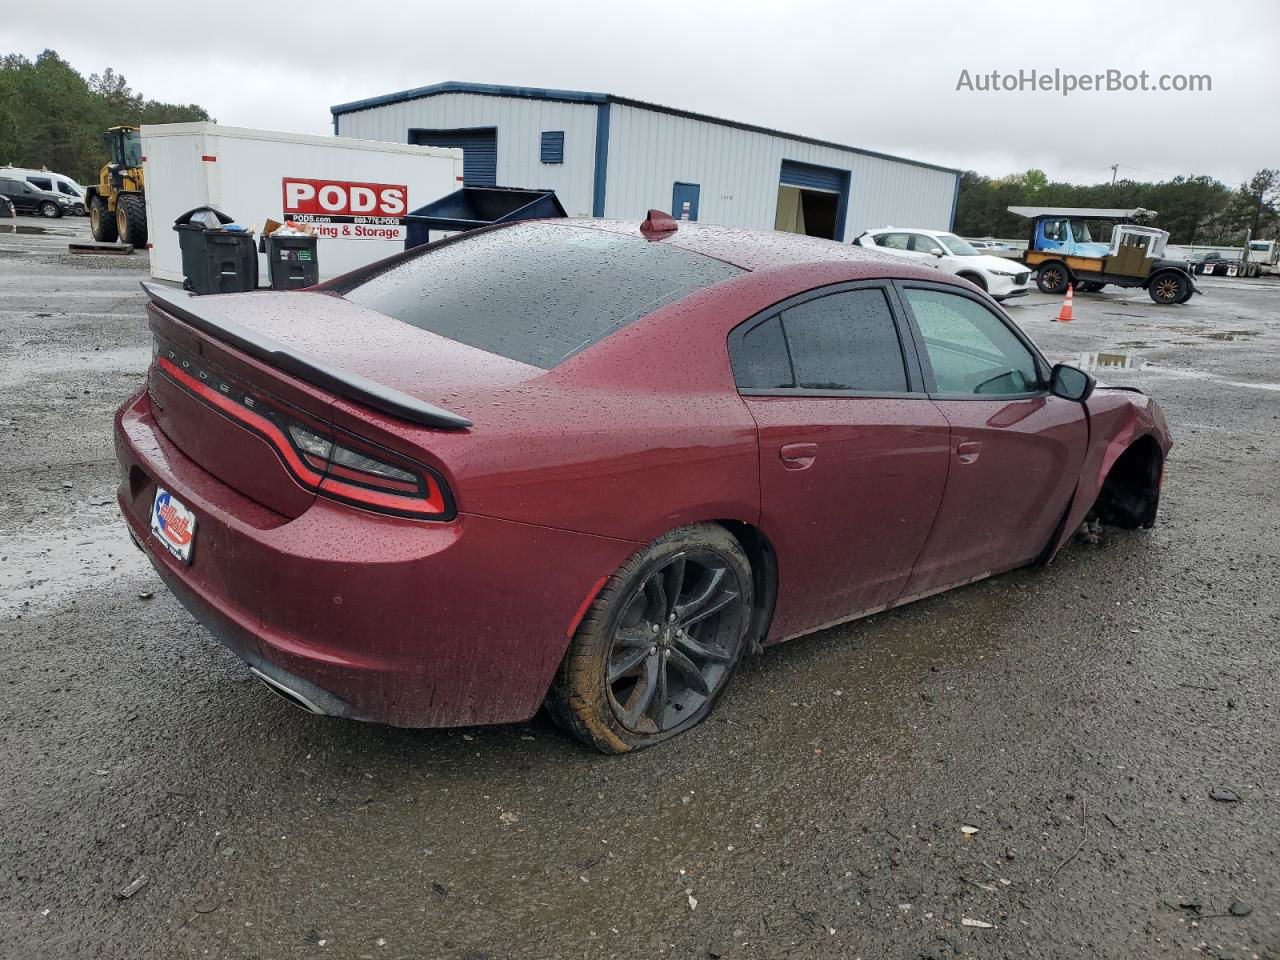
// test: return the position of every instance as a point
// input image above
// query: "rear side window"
(843, 341)
(44, 183)
(535, 292)
(846, 341)
(760, 359)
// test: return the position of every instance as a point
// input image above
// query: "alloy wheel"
(675, 643)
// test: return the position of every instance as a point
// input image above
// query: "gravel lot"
(1039, 753)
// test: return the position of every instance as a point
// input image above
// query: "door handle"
(798, 456)
(968, 451)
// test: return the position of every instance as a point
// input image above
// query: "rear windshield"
(536, 292)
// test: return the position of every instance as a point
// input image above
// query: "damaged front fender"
(1119, 419)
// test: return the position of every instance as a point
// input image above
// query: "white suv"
(1001, 278)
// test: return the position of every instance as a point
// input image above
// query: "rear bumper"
(376, 618)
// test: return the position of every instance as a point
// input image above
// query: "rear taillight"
(330, 462)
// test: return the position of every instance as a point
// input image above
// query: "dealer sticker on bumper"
(173, 524)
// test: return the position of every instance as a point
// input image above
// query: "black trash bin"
(473, 207)
(291, 261)
(215, 259)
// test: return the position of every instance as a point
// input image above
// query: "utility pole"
(1115, 168)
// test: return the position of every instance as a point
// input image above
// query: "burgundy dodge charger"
(590, 463)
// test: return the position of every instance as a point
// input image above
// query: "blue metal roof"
(587, 97)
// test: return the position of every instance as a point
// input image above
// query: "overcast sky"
(881, 76)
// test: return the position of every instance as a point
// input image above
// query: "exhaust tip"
(287, 694)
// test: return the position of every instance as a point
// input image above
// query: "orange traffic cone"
(1064, 315)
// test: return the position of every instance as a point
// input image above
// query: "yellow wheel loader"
(117, 204)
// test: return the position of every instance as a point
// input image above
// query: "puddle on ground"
(1232, 335)
(122, 360)
(1127, 361)
(38, 230)
(90, 548)
(1111, 361)
(33, 229)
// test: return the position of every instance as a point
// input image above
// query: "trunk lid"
(348, 349)
(233, 372)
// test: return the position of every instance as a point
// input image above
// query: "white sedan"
(1001, 278)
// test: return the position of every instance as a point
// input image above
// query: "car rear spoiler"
(186, 307)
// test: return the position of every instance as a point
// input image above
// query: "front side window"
(1080, 232)
(923, 243)
(971, 350)
(133, 149)
(958, 247)
(64, 187)
(1053, 230)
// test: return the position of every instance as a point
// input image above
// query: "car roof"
(928, 230)
(753, 250)
(32, 172)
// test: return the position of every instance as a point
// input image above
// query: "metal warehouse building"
(607, 156)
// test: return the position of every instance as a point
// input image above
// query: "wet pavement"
(1078, 761)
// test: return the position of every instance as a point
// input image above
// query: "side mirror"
(936, 251)
(1071, 383)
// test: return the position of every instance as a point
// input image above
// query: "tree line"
(51, 116)
(1193, 209)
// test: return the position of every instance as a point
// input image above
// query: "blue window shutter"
(553, 146)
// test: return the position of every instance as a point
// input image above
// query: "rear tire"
(659, 643)
(1053, 278)
(101, 223)
(131, 219)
